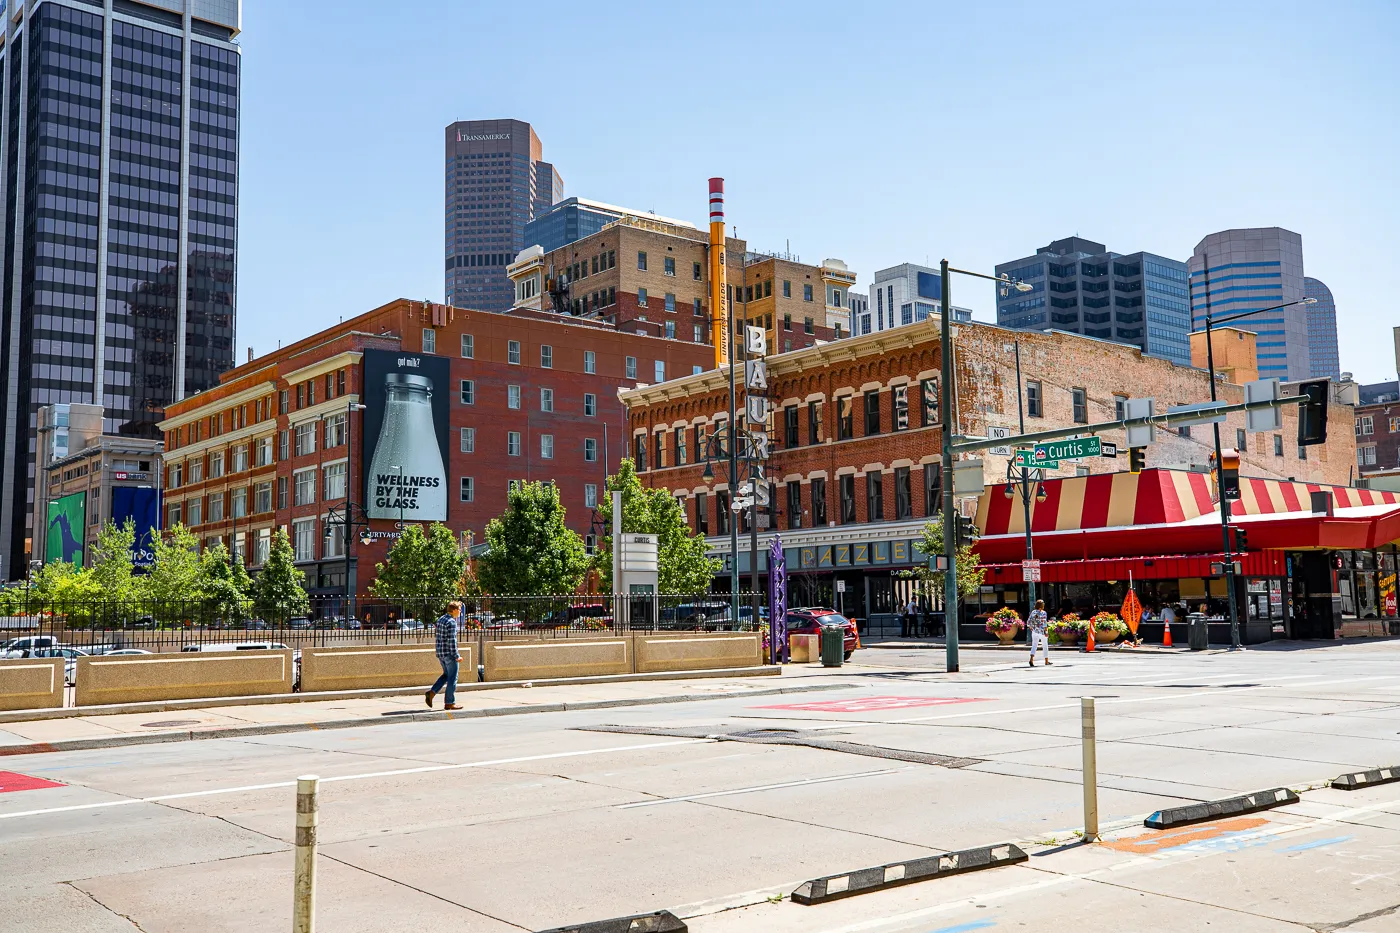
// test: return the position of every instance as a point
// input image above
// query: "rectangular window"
(787, 322)
(814, 422)
(808, 326)
(335, 431)
(903, 507)
(1365, 426)
(194, 512)
(695, 268)
(216, 506)
(467, 492)
(660, 371)
(547, 446)
(304, 540)
(590, 450)
(639, 454)
(304, 487)
(195, 467)
(240, 503)
(659, 445)
(695, 333)
(702, 513)
(590, 361)
(512, 443)
(330, 385)
(670, 330)
(174, 516)
(806, 293)
(1365, 456)
(281, 492)
(301, 403)
(333, 481)
(262, 498)
(306, 438)
(818, 502)
(848, 498)
(845, 418)
(641, 261)
(429, 340)
(512, 396)
(900, 401)
(1278, 445)
(546, 400)
(790, 427)
(872, 412)
(787, 289)
(722, 513)
(933, 489)
(1033, 408)
(874, 497)
(794, 504)
(631, 367)
(1120, 407)
(642, 297)
(216, 464)
(680, 446)
(668, 265)
(590, 495)
(513, 352)
(468, 392)
(282, 402)
(546, 357)
(1081, 406)
(283, 451)
(1241, 440)
(468, 440)
(468, 347)
(928, 394)
(262, 546)
(240, 458)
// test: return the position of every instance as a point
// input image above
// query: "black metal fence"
(43, 627)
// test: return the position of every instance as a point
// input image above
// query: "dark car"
(812, 621)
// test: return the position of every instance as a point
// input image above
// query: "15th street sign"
(1073, 448)
(1026, 459)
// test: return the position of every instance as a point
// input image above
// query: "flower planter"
(1069, 639)
(1006, 638)
(1105, 636)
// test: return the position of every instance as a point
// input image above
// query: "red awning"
(1159, 567)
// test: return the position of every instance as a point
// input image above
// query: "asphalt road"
(715, 809)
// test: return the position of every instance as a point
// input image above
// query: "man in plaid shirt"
(446, 647)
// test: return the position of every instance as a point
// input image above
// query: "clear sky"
(877, 133)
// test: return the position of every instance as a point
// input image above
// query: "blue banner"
(141, 504)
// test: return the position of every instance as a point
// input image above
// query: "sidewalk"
(908, 644)
(186, 723)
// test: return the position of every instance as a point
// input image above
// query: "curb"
(241, 732)
(865, 880)
(663, 921)
(1215, 809)
(1360, 779)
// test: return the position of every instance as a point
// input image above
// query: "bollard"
(304, 891)
(1091, 770)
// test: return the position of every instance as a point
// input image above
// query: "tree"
(64, 589)
(970, 573)
(277, 592)
(173, 583)
(682, 564)
(425, 570)
(224, 584)
(530, 551)
(113, 570)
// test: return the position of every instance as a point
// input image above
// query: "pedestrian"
(1036, 628)
(911, 616)
(447, 655)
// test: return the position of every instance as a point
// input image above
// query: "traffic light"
(1229, 473)
(967, 530)
(1241, 540)
(1312, 414)
(1137, 459)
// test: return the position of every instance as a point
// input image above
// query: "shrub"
(1005, 619)
(1069, 624)
(1108, 622)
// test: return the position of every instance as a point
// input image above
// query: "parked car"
(107, 654)
(29, 643)
(70, 657)
(238, 646)
(407, 625)
(299, 622)
(811, 621)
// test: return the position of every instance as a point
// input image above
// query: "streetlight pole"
(1025, 480)
(732, 446)
(350, 582)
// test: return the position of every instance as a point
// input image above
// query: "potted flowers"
(1108, 627)
(1070, 628)
(1004, 624)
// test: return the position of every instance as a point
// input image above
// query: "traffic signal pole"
(1229, 568)
(950, 528)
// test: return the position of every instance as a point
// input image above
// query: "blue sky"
(878, 133)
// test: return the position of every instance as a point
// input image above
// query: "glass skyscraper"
(1324, 360)
(121, 175)
(495, 182)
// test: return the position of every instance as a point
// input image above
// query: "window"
(512, 396)
(335, 431)
(899, 396)
(1365, 456)
(1033, 407)
(872, 412)
(660, 370)
(642, 297)
(301, 403)
(547, 446)
(283, 451)
(787, 322)
(680, 446)
(429, 340)
(590, 404)
(631, 367)
(659, 445)
(695, 267)
(845, 418)
(722, 515)
(814, 422)
(240, 503)
(194, 512)
(174, 516)
(590, 361)
(1302, 453)
(330, 385)
(808, 326)
(702, 513)
(639, 455)
(216, 464)
(1082, 471)
(670, 330)
(468, 392)
(546, 357)
(304, 487)
(468, 347)
(848, 498)
(216, 507)
(240, 458)
(1241, 440)
(281, 492)
(195, 470)
(1184, 430)
(790, 425)
(304, 540)
(513, 352)
(933, 488)
(874, 497)
(806, 293)
(928, 393)
(1365, 426)
(818, 502)
(282, 402)
(787, 289)
(1081, 406)
(641, 261)
(668, 265)
(1120, 407)
(1278, 445)
(262, 452)
(590, 450)
(695, 333)
(306, 438)
(590, 495)
(468, 440)
(262, 498)
(546, 400)
(333, 479)
(262, 546)
(512, 443)
(903, 507)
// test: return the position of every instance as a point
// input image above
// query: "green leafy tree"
(682, 564)
(113, 570)
(970, 572)
(173, 583)
(66, 590)
(424, 571)
(224, 585)
(530, 551)
(278, 592)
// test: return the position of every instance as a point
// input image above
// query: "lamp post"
(1211, 322)
(947, 416)
(350, 409)
(728, 439)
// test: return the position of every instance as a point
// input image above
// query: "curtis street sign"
(1073, 448)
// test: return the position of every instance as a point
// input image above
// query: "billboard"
(930, 286)
(67, 521)
(140, 504)
(406, 399)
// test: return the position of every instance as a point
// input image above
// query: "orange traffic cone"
(1166, 634)
(1089, 645)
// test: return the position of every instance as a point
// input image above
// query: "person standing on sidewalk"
(911, 618)
(1037, 626)
(447, 655)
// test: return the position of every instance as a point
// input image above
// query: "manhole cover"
(169, 723)
(766, 734)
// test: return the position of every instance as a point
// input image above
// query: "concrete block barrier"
(698, 651)
(1360, 779)
(31, 683)
(865, 880)
(663, 921)
(542, 659)
(184, 676)
(370, 667)
(1216, 809)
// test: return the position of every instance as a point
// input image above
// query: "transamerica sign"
(479, 137)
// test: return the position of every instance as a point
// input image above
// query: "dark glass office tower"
(496, 182)
(120, 158)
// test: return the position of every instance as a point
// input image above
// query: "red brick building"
(1378, 428)
(279, 443)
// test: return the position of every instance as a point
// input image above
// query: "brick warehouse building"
(531, 396)
(855, 470)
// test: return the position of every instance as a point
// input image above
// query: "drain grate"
(804, 738)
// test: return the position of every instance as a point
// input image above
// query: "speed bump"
(1360, 779)
(1216, 809)
(662, 921)
(865, 880)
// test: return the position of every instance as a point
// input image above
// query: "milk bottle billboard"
(405, 436)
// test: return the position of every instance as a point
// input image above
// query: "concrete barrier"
(1217, 809)
(185, 676)
(540, 659)
(698, 652)
(31, 683)
(371, 666)
(865, 880)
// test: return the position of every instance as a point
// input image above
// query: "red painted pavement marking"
(874, 704)
(11, 781)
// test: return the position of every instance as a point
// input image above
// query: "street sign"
(1030, 570)
(1109, 450)
(840, 586)
(968, 477)
(994, 432)
(1026, 458)
(1073, 448)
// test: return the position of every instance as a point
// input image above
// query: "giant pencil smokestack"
(719, 334)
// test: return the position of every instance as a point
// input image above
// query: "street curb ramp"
(1359, 779)
(662, 921)
(1215, 809)
(865, 880)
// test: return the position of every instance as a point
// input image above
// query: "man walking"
(1037, 629)
(446, 644)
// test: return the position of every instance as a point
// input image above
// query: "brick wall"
(1378, 427)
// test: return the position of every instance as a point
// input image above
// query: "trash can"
(1199, 635)
(833, 645)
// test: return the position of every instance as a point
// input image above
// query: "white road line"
(761, 787)
(160, 798)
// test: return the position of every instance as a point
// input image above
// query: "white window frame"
(468, 440)
(546, 356)
(512, 443)
(303, 481)
(590, 450)
(304, 540)
(466, 489)
(513, 352)
(546, 399)
(590, 405)
(429, 340)
(513, 397)
(631, 369)
(338, 471)
(590, 361)
(468, 347)
(546, 446)
(590, 495)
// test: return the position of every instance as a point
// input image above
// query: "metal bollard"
(1091, 769)
(304, 891)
